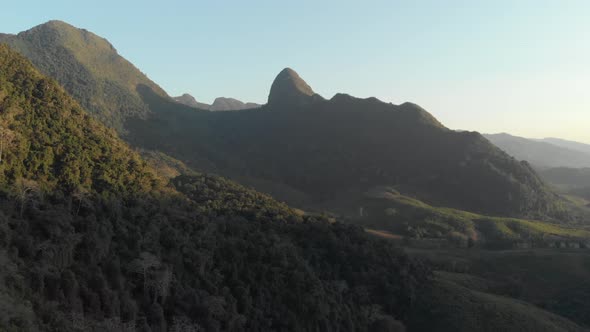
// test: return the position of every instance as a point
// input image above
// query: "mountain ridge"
(89, 68)
(219, 104)
(540, 153)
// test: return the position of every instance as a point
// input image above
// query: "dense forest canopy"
(91, 239)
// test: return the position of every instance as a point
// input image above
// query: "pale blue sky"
(514, 66)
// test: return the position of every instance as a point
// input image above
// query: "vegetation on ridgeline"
(88, 67)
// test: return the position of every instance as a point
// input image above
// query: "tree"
(159, 282)
(81, 195)
(142, 266)
(24, 191)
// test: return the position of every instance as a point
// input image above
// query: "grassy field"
(387, 210)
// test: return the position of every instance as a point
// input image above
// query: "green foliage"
(48, 138)
(88, 67)
(399, 214)
(90, 240)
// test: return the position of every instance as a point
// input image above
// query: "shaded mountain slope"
(323, 148)
(540, 154)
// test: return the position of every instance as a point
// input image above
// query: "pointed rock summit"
(289, 90)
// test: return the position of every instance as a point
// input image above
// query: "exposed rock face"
(290, 91)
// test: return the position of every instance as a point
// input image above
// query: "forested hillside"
(88, 67)
(92, 240)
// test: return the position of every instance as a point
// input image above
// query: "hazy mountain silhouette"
(583, 147)
(542, 153)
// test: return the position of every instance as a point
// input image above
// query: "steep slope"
(88, 67)
(91, 240)
(541, 154)
(47, 137)
(300, 142)
(289, 91)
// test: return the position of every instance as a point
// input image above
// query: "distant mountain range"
(545, 153)
(583, 147)
(219, 104)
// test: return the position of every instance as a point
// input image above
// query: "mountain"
(299, 147)
(188, 100)
(567, 178)
(544, 153)
(307, 151)
(573, 181)
(92, 240)
(231, 104)
(583, 147)
(289, 91)
(48, 138)
(219, 104)
(89, 68)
